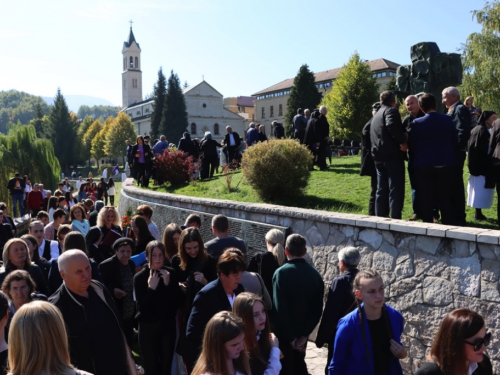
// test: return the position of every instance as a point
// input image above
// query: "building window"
(136, 63)
(138, 113)
(204, 105)
(193, 128)
(134, 83)
(271, 111)
(124, 84)
(263, 113)
(216, 129)
(131, 62)
(124, 63)
(147, 110)
(280, 110)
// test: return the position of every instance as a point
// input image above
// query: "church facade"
(204, 104)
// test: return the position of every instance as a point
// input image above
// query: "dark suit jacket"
(339, 303)
(208, 302)
(112, 278)
(433, 141)
(297, 300)
(461, 118)
(495, 143)
(236, 140)
(367, 163)
(479, 160)
(386, 134)
(147, 150)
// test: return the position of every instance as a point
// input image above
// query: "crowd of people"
(195, 307)
(436, 147)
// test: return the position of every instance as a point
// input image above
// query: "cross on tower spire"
(131, 22)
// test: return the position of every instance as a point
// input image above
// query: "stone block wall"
(429, 269)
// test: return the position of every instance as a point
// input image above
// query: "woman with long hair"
(83, 192)
(368, 340)
(261, 344)
(171, 236)
(140, 157)
(38, 342)
(142, 234)
(78, 219)
(158, 296)
(195, 268)
(52, 205)
(16, 256)
(459, 346)
(108, 222)
(265, 264)
(223, 351)
(70, 199)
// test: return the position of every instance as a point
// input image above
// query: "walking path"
(316, 359)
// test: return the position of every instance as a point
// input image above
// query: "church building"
(204, 104)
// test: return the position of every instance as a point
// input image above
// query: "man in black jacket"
(388, 140)
(232, 141)
(96, 340)
(216, 296)
(16, 187)
(209, 155)
(461, 117)
(340, 300)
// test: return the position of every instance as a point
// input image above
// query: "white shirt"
(274, 365)
(54, 249)
(154, 230)
(231, 298)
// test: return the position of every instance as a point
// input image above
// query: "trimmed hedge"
(277, 169)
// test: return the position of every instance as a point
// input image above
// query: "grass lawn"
(338, 189)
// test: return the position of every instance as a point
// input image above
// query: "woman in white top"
(261, 344)
(223, 350)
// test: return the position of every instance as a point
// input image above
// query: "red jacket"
(34, 200)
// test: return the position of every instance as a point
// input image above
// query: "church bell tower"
(132, 74)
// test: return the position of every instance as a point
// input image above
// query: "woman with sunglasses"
(459, 346)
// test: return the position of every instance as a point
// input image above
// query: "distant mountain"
(75, 101)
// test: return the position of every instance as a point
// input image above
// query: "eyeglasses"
(479, 342)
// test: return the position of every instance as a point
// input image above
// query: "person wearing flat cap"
(117, 275)
(481, 187)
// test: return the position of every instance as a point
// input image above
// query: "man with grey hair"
(232, 142)
(252, 134)
(96, 340)
(297, 303)
(340, 300)
(461, 117)
(160, 146)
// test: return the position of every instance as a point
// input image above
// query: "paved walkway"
(316, 359)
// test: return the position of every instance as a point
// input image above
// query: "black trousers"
(434, 186)
(208, 166)
(293, 361)
(140, 173)
(458, 190)
(390, 188)
(157, 343)
(373, 193)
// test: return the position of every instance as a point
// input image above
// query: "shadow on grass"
(334, 169)
(318, 203)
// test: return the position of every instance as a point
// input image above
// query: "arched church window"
(193, 128)
(131, 62)
(216, 129)
(136, 63)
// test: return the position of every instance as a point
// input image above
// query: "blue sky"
(239, 47)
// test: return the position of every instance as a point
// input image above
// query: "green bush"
(277, 169)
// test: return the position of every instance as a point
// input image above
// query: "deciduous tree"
(120, 130)
(89, 136)
(351, 99)
(480, 59)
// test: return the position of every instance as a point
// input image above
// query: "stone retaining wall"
(429, 269)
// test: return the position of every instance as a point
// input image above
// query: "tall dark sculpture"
(431, 71)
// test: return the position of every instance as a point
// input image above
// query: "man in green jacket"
(298, 302)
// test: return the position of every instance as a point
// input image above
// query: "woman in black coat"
(140, 157)
(186, 145)
(158, 296)
(117, 275)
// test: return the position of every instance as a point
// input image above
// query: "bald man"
(412, 107)
(96, 340)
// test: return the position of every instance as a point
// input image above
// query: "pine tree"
(120, 130)
(174, 120)
(304, 94)
(160, 90)
(37, 122)
(61, 131)
(480, 59)
(351, 99)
